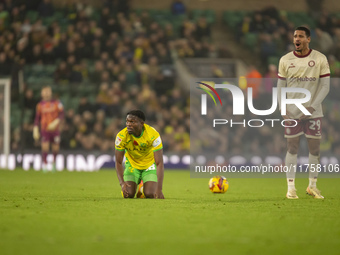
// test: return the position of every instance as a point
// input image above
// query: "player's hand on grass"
(36, 134)
(125, 189)
(53, 125)
(159, 194)
(309, 109)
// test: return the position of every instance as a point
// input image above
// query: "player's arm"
(324, 83)
(158, 155)
(281, 83)
(119, 166)
(36, 134)
(324, 90)
(120, 170)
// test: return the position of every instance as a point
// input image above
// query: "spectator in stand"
(243, 28)
(29, 101)
(203, 30)
(46, 8)
(324, 41)
(270, 78)
(325, 23)
(254, 80)
(336, 49)
(35, 55)
(334, 66)
(5, 64)
(178, 7)
(76, 75)
(85, 105)
(267, 48)
(62, 74)
(257, 23)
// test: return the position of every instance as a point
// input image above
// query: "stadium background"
(104, 58)
(84, 213)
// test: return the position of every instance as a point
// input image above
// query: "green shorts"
(137, 175)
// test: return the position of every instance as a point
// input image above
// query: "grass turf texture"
(84, 213)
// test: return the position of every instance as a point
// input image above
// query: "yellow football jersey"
(139, 150)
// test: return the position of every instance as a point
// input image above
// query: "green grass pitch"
(84, 213)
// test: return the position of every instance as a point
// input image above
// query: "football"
(218, 184)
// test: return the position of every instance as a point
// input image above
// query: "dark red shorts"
(311, 128)
(52, 137)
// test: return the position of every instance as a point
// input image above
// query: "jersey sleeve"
(157, 143)
(120, 143)
(324, 70)
(282, 74)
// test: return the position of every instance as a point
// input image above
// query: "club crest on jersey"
(311, 63)
(135, 143)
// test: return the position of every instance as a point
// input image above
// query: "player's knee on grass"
(149, 194)
(150, 189)
(129, 195)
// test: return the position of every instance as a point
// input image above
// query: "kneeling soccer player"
(143, 149)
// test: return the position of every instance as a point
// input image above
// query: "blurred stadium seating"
(122, 61)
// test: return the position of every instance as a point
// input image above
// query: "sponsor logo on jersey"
(118, 141)
(303, 78)
(157, 142)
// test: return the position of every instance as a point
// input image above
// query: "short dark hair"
(137, 113)
(307, 31)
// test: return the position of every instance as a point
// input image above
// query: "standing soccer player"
(49, 113)
(308, 69)
(143, 149)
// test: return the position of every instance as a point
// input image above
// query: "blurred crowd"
(274, 30)
(125, 57)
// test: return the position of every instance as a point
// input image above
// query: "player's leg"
(314, 164)
(291, 164)
(149, 177)
(132, 178)
(312, 129)
(45, 147)
(293, 140)
(150, 189)
(55, 149)
(131, 189)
